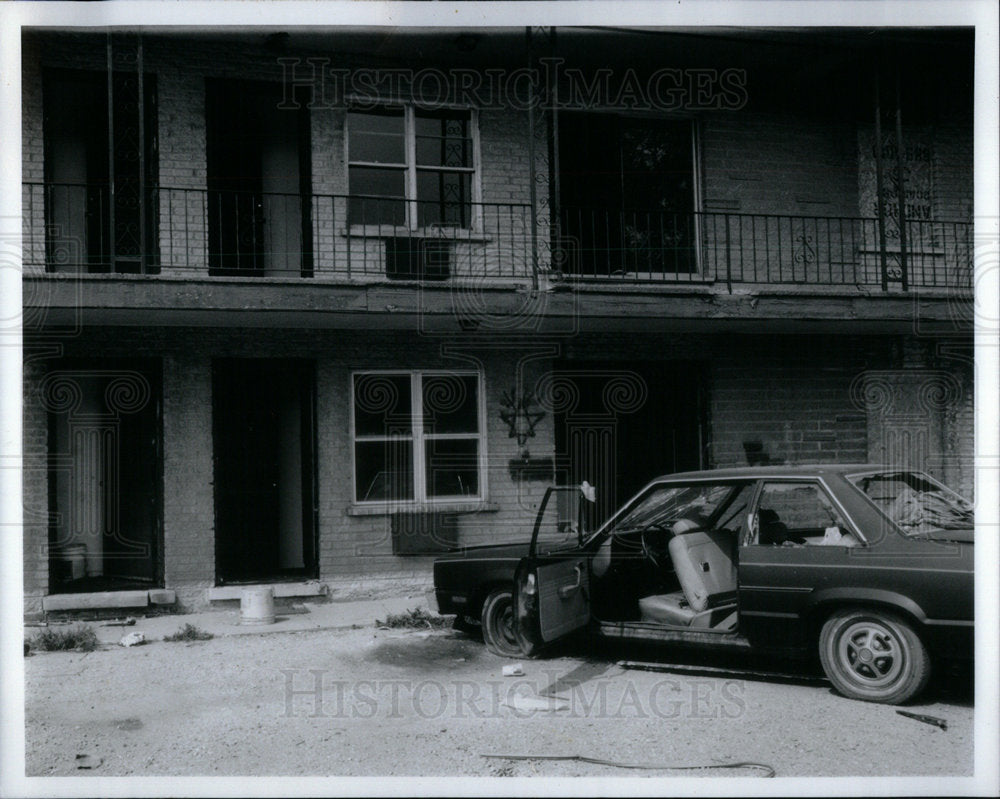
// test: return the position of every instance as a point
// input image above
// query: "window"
(411, 168)
(417, 436)
(798, 513)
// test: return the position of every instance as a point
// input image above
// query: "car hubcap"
(871, 654)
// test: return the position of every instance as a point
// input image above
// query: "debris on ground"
(768, 771)
(128, 621)
(189, 632)
(79, 638)
(536, 703)
(417, 618)
(932, 720)
(88, 761)
(514, 670)
(133, 639)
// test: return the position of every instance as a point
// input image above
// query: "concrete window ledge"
(222, 592)
(441, 507)
(109, 599)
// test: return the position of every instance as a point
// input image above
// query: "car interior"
(680, 571)
(676, 573)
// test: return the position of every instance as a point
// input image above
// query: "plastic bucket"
(257, 606)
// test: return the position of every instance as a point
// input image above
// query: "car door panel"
(563, 597)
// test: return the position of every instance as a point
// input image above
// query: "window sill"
(402, 232)
(476, 506)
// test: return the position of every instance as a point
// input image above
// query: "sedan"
(869, 568)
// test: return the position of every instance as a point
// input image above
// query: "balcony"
(338, 238)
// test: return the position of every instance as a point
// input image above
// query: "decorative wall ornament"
(519, 416)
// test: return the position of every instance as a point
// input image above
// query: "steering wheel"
(654, 540)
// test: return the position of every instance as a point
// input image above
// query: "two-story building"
(303, 307)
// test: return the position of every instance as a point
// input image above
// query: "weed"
(189, 632)
(79, 638)
(418, 618)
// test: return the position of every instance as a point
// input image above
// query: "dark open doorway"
(105, 480)
(259, 189)
(263, 436)
(627, 194)
(630, 421)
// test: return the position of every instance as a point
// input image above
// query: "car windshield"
(700, 502)
(915, 502)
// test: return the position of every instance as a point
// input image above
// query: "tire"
(874, 656)
(498, 624)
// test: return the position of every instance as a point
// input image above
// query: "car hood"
(516, 550)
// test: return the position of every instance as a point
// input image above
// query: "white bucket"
(257, 606)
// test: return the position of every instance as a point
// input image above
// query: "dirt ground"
(373, 702)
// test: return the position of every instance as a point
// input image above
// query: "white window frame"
(419, 436)
(411, 169)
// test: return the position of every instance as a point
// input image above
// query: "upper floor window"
(412, 168)
(418, 436)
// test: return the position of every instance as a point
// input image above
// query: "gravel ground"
(373, 702)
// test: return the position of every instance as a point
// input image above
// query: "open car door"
(552, 584)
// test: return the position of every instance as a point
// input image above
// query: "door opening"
(258, 180)
(618, 439)
(105, 481)
(264, 470)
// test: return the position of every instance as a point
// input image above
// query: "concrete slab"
(224, 592)
(102, 599)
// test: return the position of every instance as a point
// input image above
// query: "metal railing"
(737, 248)
(336, 237)
(339, 237)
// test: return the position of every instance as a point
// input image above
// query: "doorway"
(627, 194)
(631, 421)
(100, 171)
(105, 480)
(263, 435)
(259, 188)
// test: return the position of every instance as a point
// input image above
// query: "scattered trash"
(932, 720)
(536, 703)
(88, 761)
(768, 770)
(133, 639)
(189, 632)
(514, 670)
(128, 621)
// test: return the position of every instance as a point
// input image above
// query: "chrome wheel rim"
(871, 654)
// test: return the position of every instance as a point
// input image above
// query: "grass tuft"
(418, 618)
(189, 632)
(74, 639)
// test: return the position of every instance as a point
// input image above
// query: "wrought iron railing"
(341, 237)
(736, 248)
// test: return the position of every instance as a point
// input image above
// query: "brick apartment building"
(303, 307)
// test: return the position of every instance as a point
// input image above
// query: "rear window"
(915, 502)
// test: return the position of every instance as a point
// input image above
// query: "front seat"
(706, 569)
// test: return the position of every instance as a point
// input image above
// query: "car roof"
(788, 470)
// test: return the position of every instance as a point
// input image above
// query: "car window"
(798, 513)
(915, 502)
(562, 519)
(706, 504)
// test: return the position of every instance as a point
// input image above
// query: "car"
(868, 568)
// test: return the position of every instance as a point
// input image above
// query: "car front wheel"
(873, 656)
(498, 624)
